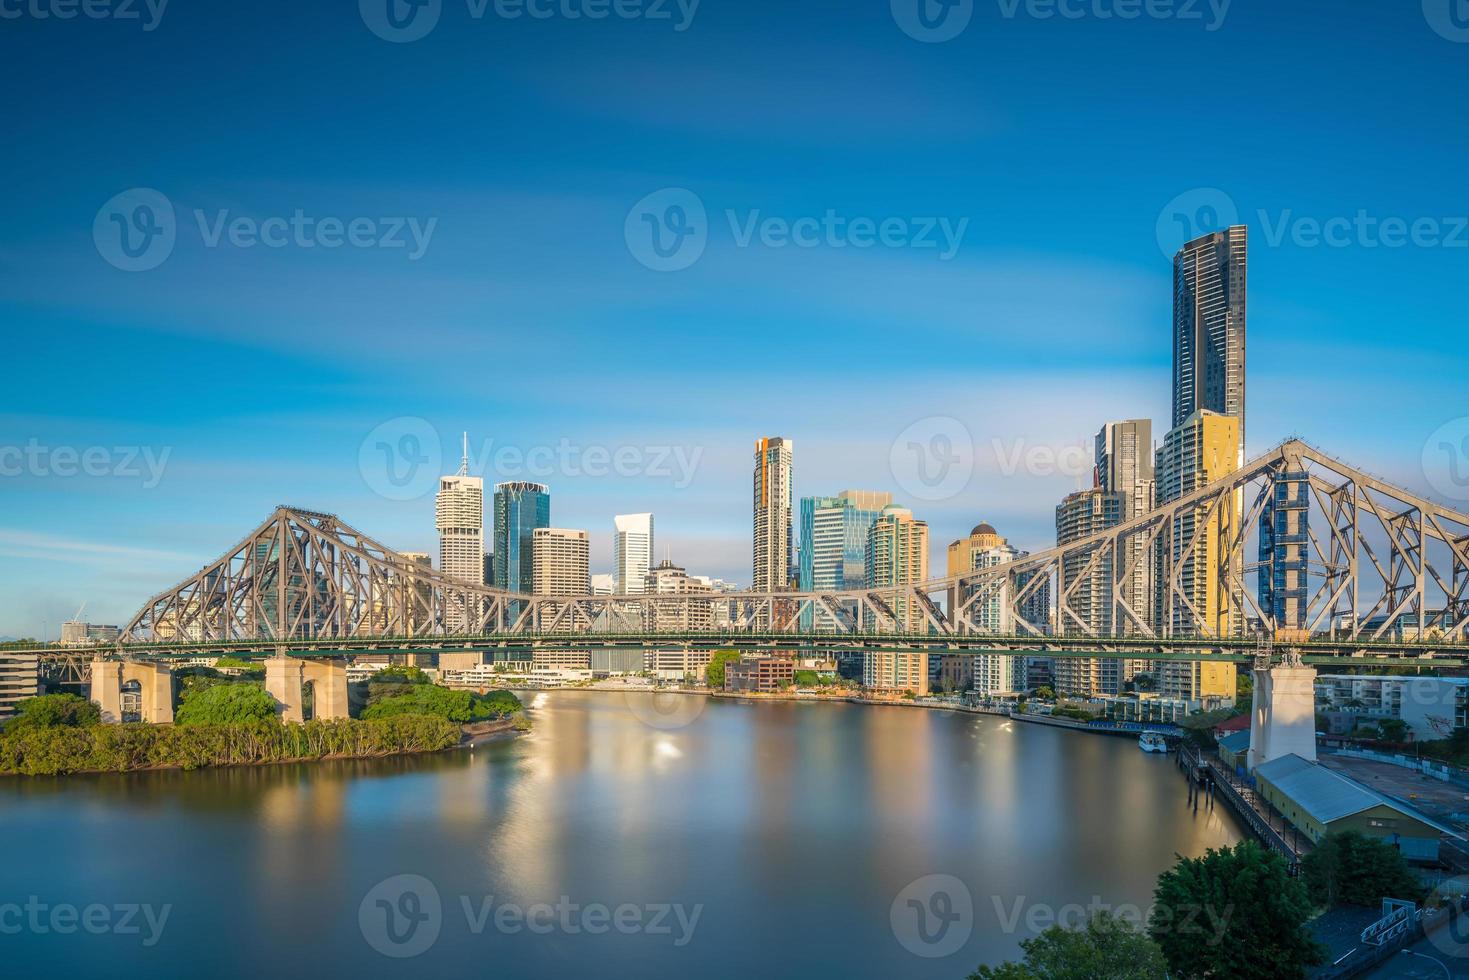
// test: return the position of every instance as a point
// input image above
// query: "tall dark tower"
(1209, 275)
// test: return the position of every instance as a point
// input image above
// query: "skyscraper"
(897, 554)
(772, 492)
(632, 552)
(1203, 449)
(1209, 276)
(834, 538)
(561, 561)
(1084, 599)
(459, 515)
(1124, 465)
(520, 508)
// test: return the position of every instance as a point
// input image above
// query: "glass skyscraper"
(520, 508)
(1209, 278)
(833, 541)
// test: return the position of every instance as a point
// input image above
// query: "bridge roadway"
(1337, 654)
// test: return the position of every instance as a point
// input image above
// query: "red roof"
(1236, 724)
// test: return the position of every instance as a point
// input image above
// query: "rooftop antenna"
(464, 460)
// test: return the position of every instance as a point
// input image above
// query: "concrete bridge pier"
(1283, 719)
(286, 679)
(155, 690)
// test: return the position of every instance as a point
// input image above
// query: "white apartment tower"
(772, 492)
(632, 552)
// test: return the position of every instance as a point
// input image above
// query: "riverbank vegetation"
(62, 749)
(225, 720)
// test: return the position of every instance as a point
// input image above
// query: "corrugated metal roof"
(1235, 741)
(1325, 795)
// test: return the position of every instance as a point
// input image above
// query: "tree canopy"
(55, 711)
(1350, 868)
(440, 702)
(1108, 946)
(714, 673)
(226, 704)
(1235, 912)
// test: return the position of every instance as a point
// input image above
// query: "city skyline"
(1063, 282)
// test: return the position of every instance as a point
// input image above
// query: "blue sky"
(257, 374)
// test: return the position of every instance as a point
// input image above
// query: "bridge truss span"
(1348, 558)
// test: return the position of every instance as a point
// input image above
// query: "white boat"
(1152, 742)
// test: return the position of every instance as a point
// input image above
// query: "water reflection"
(792, 825)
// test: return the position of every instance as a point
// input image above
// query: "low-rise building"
(764, 675)
(679, 666)
(956, 672)
(20, 678)
(1318, 801)
(1234, 750)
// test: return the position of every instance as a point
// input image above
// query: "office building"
(459, 515)
(668, 579)
(604, 584)
(632, 551)
(1209, 290)
(772, 515)
(76, 633)
(761, 675)
(560, 561)
(520, 508)
(833, 545)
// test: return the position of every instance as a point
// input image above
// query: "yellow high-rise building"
(897, 554)
(1203, 448)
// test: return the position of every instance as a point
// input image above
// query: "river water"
(626, 836)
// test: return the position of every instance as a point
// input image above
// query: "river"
(625, 836)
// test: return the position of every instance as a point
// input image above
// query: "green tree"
(401, 673)
(1108, 946)
(1350, 868)
(1244, 687)
(807, 678)
(1393, 730)
(55, 711)
(714, 673)
(1235, 912)
(1045, 693)
(227, 704)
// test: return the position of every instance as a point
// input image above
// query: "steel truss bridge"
(1351, 566)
